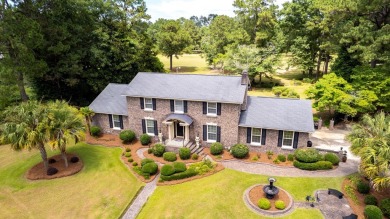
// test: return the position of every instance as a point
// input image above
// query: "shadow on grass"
(184, 69)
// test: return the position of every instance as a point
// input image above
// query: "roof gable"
(110, 100)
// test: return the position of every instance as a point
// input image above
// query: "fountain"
(271, 190)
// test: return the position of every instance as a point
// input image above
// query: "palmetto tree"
(65, 123)
(25, 127)
(88, 113)
(371, 141)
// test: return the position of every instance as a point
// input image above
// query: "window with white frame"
(148, 104)
(149, 126)
(179, 106)
(211, 133)
(256, 136)
(116, 122)
(211, 108)
(288, 137)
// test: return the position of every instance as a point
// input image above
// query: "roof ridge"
(219, 75)
(278, 98)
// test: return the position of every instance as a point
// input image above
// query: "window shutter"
(296, 137)
(280, 138)
(263, 136)
(154, 103)
(143, 126)
(204, 132)
(141, 102)
(248, 135)
(121, 121)
(219, 109)
(172, 106)
(218, 133)
(110, 120)
(204, 108)
(185, 106)
(155, 128)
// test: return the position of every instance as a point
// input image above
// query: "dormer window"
(179, 106)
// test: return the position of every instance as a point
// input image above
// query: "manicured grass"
(103, 189)
(220, 196)
(188, 63)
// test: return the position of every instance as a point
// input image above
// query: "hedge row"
(319, 165)
(182, 175)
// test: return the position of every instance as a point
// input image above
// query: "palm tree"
(88, 113)
(25, 127)
(371, 141)
(65, 124)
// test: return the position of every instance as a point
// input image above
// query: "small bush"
(276, 161)
(127, 136)
(186, 174)
(179, 167)
(169, 156)
(264, 204)
(216, 148)
(255, 158)
(51, 160)
(128, 150)
(145, 139)
(74, 159)
(127, 154)
(282, 157)
(135, 164)
(290, 157)
(184, 153)
(240, 150)
(194, 156)
(372, 212)
(158, 150)
(167, 170)
(370, 200)
(307, 80)
(150, 168)
(130, 160)
(319, 165)
(385, 207)
(95, 131)
(138, 170)
(202, 167)
(363, 188)
(269, 154)
(310, 155)
(51, 171)
(150, 150)
(146, 160)
(333, 158)
(279, 204)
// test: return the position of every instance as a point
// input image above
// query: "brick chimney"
(245, 81)
(244, 77)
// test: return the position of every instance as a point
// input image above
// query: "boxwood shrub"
(264, 204)
(179, 167)
(385, 207)
(194, 156)
(167, 170)
(146, 160)
(127, 136)
(362, 187)
(158, 150)
(282, 157)
(240, 150)
(216, 148)
(290, 157)
(370, 200)
(95, 131)
(184, 153)
(279, 204)
(333, 158)
(309, 155)
(169, 156)
(145, 139)
(150, 168)
(182, 175)
(319, 165)
(372, 212)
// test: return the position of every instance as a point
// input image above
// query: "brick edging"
(258, 163)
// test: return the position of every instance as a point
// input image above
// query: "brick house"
(214, 108)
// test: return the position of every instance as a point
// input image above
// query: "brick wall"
(102, 121)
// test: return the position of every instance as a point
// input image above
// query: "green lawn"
(188, 63)
(220, 196)
(103, 189)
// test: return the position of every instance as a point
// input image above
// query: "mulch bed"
(38, 171)
(257, 192)
(109, 140)
(161, 159)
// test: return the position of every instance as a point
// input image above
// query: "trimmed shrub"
(150, 150)
(194, 156)
(385, 207)
(184, 153)
(167, 170)
(128, 150)
(127, 154)
(51, 160)
(130, 160)
(74, 159)
(320, 165)
(146, 160)
(362, 187)
(282, 157)
(279, 204)
(290, 157)
(150, 168)
(179, 167)
(138, 170)
(240, 150)
(333, 158)
(145, 139)
(276, 161)
(216, 148)
(127, 136)
(158, 150)
(135, 164)
(264, 204)
(370, 200)
(95, 131)
(186, 174)
(169, 156)
(372, 212)
(51, 171)
(310, 155)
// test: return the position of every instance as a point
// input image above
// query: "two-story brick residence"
(214, 108)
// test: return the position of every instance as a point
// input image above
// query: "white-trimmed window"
(256, 136)
(211, 133)
(179, 106)
(148, 104)
(288, 138)
(211, 108)
(116, 122)
(149, 127)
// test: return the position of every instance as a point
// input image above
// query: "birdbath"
(270, 190)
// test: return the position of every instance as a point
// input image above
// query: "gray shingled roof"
(110, 100)
(278, 114)
(226, 89)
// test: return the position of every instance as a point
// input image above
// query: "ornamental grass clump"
(264, 204)
(239, 150)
